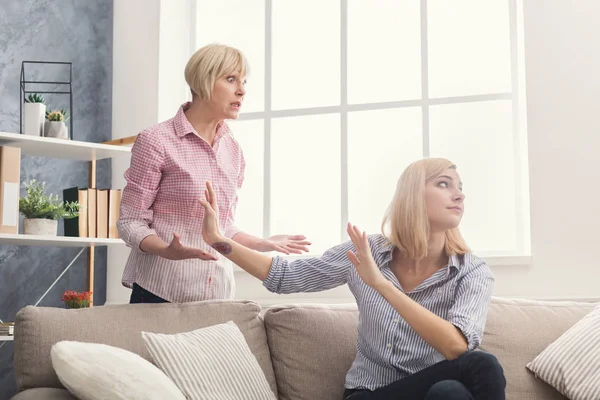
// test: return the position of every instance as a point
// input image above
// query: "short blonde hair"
(210, 63)
(406, 220)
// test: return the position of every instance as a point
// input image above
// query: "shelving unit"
(72, 150)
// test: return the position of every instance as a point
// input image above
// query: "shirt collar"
(183, 126)
(383, 255)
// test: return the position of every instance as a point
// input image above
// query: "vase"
(40, 226)
(35, 115)
(56, 129)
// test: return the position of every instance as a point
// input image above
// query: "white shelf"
(4, 338)
(62, 148)
(55, 241)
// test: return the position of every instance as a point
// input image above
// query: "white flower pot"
(40, 226)
(56, 129)
(35, 115)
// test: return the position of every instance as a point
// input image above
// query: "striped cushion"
(210, 363)
(571, 364)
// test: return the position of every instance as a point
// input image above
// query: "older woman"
(161, 216)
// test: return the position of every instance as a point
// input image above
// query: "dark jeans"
(141, 295)
(475, 375)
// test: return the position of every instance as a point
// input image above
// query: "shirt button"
(396, 320)
(389, 345)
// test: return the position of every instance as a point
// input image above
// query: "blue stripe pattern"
(388, 349)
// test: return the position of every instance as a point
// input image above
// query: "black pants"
(141, 295)
(475, 375)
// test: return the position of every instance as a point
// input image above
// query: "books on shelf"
(7, 329)
(10, 181)
(98, 213)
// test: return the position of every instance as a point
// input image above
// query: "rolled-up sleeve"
(142, 182)
(469, 311)
(310, 274)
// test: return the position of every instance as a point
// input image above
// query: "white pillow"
(92, 371)
(210, 363)
(571, 364)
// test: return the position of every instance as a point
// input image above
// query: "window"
(343, 95)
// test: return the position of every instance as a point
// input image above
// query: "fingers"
(206, 256)
(297, 237)
(282, 250)
(352, 257)
(176, 238)
(302, 243)
(210, 194)
(297, 246)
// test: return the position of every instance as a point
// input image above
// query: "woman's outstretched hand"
(286, 244)
(363, 259)
(177, 251)
(210, 223)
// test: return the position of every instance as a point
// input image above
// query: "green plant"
(57, 115)
(37, 205)
(35, 98)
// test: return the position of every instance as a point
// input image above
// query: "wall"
(150, 52)
(562, 58)
(561, 62)
(57, 30)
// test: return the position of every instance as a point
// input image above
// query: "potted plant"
(55, 124)
(74, 299)
(42, 212)
(35, 109)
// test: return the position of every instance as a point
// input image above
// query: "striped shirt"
(170, 164)
(388, 349)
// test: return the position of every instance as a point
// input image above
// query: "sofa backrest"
(312, 347)
(38, 328)
(518, 330)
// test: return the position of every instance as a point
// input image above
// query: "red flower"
(74, 299)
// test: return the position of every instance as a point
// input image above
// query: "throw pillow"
(210, 363)
(93, 371)
(571, 364)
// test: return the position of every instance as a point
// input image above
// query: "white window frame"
(522, 256)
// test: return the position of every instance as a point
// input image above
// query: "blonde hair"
(406, 216)
(210, 63)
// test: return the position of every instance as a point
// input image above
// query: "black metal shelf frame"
(24, 91)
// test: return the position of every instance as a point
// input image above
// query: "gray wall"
(79, 31)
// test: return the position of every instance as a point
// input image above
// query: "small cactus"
(57, 115)
(35, 98)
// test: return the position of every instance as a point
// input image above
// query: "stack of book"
(98, 213)
(7, 329)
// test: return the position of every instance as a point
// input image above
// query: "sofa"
(304, 350)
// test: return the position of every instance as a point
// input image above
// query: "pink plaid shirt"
(170, 165)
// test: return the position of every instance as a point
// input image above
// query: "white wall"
(562, 60)
(562, 56)
(147, 80)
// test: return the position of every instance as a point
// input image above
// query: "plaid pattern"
(170, 165)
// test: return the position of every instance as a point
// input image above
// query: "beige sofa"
(304, 350)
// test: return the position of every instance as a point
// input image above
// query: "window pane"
(384, 51)
(241, 24)
(478, 138)
(306, 54)
(469, 47)
(250, 135)
(305, 178)
(380, 145)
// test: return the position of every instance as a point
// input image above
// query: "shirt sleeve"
(310, 274)
(232, 229)
(142, 183)
(469, 311)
